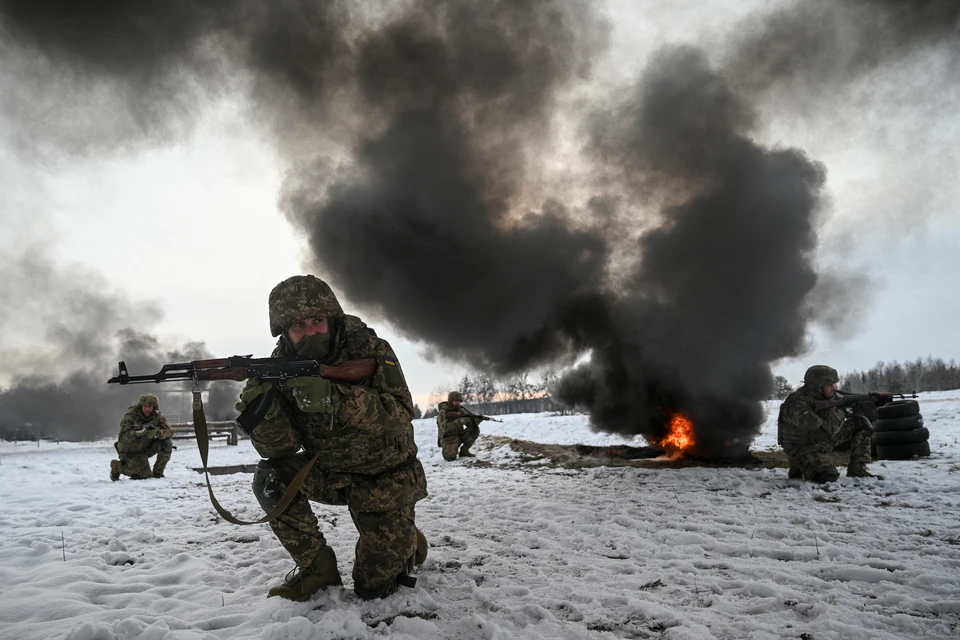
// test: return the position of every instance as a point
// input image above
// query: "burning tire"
(891, 438)
(899, 409)
(903, 451)
(898, 424)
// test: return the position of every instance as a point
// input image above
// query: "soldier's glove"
(313, 394)
(251, 391)
(149, 433)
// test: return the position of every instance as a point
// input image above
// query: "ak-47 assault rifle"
(861, 404)
(471, 414)
(240, 368)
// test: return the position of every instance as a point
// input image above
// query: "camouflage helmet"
(454, 396)
(149, 398)
(301, 297)
(820, 375)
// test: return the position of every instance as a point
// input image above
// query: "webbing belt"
(200, 430)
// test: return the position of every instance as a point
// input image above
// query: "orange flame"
(680, 435)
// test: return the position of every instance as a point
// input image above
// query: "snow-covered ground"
(518, 550)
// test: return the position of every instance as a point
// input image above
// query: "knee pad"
(166, 446)
(266, 486)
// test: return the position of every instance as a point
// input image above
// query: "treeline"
(932, 374)
(485, 394)
(919, 375)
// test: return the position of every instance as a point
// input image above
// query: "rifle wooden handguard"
(350, 370)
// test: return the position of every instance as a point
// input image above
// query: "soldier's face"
(147, 409)
(455, 403)
(308, 327)
(829, 389)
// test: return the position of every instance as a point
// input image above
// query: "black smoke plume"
(812, 48)
(720, 288)
(427, 224)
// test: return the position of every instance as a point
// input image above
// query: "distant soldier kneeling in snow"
(144, 432)
(457, 428)
(809, 436)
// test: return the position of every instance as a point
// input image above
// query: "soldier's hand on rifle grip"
(253, 389)
(313, 394)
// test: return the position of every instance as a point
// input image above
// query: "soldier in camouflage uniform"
(362, 435)
(144, 432)
(457, 428)
(809, 436)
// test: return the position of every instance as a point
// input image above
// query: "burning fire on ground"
(679, 438)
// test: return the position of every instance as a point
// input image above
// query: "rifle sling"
(203, 443)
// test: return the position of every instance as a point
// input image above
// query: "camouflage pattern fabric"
(387, 543)
(299, 298)
(367, 457)
(455, 428)
(138, 466)
(134, 449)
(808, 436)
(820, 375)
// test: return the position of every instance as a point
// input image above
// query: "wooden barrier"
(228, 428)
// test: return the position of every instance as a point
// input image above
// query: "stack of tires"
(899, 434)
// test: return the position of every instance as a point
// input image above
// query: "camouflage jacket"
(450, 420)
(370, 431)
(131, 439)
(799, 425)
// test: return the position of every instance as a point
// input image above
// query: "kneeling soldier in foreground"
(360, 435)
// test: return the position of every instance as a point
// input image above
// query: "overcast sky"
(193, 224)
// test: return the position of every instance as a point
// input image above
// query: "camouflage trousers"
(382, 510)
(812, 460)
(450, 443)
(137, 465)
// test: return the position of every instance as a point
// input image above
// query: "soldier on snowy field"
(457, 428)
(144, 432)
(361, 435)
(809, 436)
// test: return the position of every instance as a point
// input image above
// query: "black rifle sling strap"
(203, 443)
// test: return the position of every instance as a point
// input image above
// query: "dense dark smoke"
(816, 47)
(419, 140)
(423, 225)
(720, 290)
(64, 334)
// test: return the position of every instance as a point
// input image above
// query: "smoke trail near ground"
(419, 139)
(77, 331)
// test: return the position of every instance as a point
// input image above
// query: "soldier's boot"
(160, 464)
(301, 583)
(114, 470)
(422, 547)
(858, 470)
(824, 475)
(794, 473)
(465, 452)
